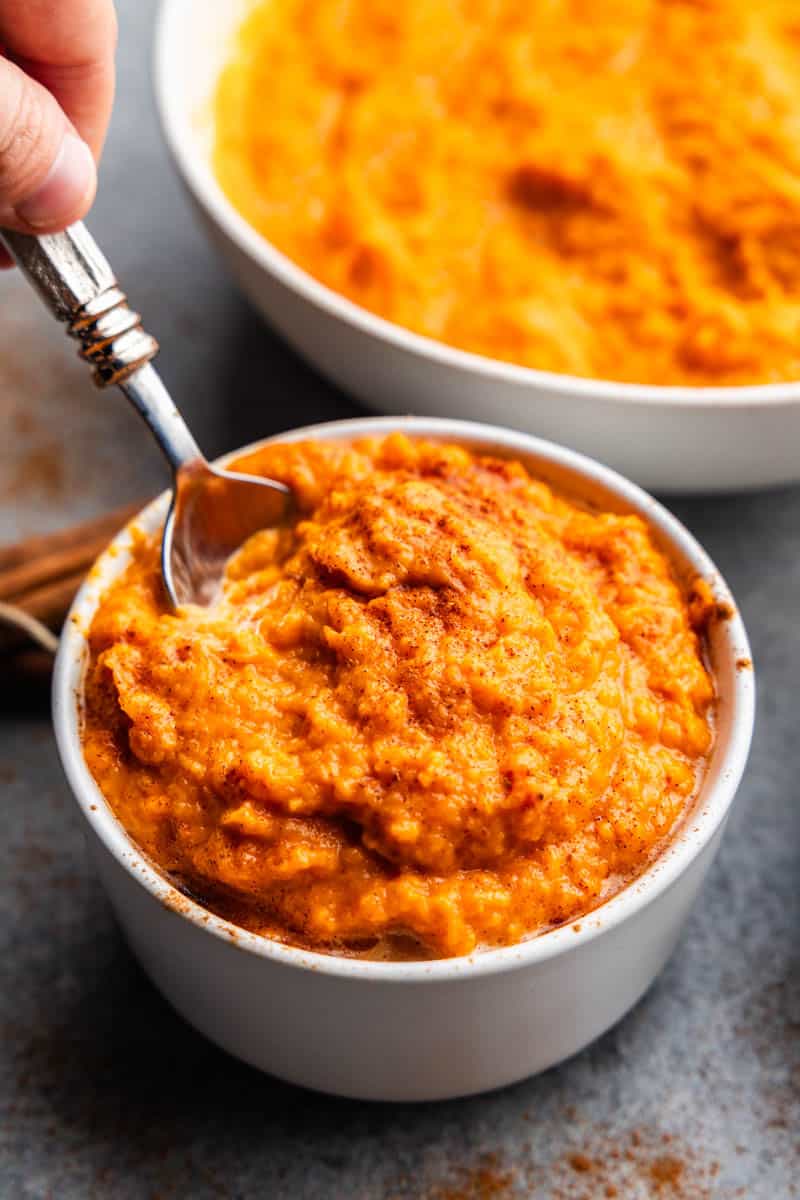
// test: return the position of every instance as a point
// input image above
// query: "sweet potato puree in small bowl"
(445, 709)
(422, 742)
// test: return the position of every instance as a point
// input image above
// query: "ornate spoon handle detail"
(78, 286)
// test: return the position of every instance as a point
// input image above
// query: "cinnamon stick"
(47, 568)
(49, 603)
(40, 575)
(33, 548)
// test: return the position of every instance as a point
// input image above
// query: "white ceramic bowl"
(669, 439)
(425, 1030)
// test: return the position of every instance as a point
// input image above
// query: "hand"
(56, 92)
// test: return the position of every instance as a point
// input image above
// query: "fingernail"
(68, 181)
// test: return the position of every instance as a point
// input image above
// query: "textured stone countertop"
(104, 1092)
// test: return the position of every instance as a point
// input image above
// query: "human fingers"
(47, 172)
(68, 47)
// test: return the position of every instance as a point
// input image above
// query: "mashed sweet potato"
(445, 708)
(604, 189)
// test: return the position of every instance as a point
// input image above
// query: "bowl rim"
(203, 184)
(710, 808)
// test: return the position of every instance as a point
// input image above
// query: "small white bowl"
(420, 1030)
(669, 439)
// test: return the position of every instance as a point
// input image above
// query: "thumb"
(47, 173)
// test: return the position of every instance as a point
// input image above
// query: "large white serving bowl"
(423, 1030)
(669, 439)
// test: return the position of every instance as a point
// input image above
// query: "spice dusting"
(638, 1162)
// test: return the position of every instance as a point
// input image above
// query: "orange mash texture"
(446, 708)
(607, 188)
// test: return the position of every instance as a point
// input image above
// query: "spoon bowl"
(213, 512)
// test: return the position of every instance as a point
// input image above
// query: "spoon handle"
(72, 276)
(76, 283)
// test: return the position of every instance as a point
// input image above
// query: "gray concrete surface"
(105, 1093)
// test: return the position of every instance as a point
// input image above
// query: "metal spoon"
(212, 511)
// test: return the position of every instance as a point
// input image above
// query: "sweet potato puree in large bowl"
(607, 190)
(444, 708)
